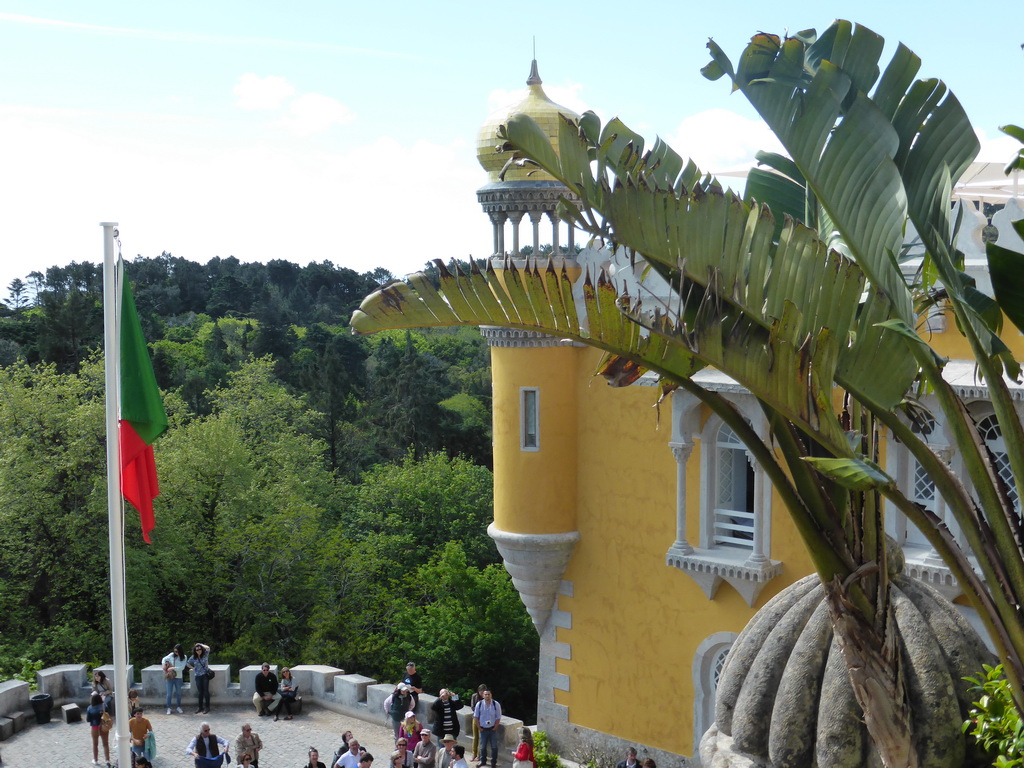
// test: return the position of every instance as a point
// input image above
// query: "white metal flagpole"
(115, 505)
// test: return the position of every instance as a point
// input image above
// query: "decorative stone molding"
(536, 563)
(710, 567)
(511, 337)
(705, 681)
(926, 566)
(522, 196)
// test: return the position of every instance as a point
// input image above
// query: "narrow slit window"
(529, 413)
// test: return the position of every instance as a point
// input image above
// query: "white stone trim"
(703, 699)
(536, 563)
(514, 337)
(549, 679)
(710, 567)
(747, 571)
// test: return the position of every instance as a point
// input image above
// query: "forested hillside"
(324, 497)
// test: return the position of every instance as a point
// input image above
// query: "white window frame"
(524, 419)
(740, 521)
(922, 561)
(705, 684)
(747, 570)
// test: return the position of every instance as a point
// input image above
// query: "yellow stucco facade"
(643, 539)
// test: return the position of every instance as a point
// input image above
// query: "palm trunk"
(874, 665)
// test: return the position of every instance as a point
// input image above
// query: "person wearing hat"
(397, 704)
(447, 753)
(412, 730)
(425, 754)
(415, 683)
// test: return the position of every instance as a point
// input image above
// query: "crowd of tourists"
(415, 745)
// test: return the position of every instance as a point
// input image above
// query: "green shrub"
(542, 753)
(994, 721)
(19, 668)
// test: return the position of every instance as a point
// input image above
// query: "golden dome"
(537, 105)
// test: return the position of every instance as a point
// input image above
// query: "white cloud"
(314, 113)
(254, 200)
(719, 140)
(255, 92)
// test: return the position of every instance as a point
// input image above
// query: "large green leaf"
(1006, 269)
(856, 474)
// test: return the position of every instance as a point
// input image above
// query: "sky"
(334, 130)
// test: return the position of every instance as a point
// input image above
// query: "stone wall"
(319, 685)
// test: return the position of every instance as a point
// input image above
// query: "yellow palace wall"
(605, 469)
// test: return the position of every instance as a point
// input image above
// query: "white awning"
(962, 375)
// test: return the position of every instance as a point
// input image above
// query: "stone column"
(681, 451)
(554, 233)
(757, 557)
(535, 217)
(498, 225)
(515, 217)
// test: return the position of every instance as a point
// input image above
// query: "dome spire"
(534, 78)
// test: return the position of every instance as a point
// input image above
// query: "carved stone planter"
(784, 699)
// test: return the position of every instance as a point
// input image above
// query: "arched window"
(708, 663)
(734, 493)
(992, 434)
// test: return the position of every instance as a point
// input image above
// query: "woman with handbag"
(94, 717)
(199, 663)
(102, 686)
(523, 756)
(174, 671)
(288, 690)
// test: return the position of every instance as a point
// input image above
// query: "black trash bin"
(42, 703)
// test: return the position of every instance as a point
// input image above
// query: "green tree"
(817, 299)
(431, 500)
(18, 295)
(466, 625)
(53, 532)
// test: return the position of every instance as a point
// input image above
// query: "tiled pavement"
(285, 743)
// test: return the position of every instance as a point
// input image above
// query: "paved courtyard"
(285, 743)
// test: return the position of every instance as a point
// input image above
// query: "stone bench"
(13, 697)
(64, 682)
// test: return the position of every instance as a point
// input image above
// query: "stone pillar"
(681, 451)
(535, 217)
(515, 217)
(554, 233)
(757, 557)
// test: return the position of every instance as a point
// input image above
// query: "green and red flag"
(143, 418)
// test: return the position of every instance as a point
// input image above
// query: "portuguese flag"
(143, 419)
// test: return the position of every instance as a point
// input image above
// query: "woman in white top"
(174, 667)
